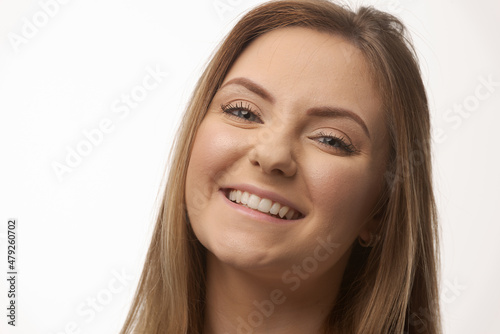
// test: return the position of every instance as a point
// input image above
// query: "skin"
(286, 151)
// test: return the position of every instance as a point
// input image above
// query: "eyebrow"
(251, 86)
(338, 112)
(332, 112)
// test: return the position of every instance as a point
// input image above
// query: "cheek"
(343, 190)
(211, 146)
(214, 153)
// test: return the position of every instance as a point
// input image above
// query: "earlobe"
(368, 239)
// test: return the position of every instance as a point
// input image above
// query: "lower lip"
(257, 215)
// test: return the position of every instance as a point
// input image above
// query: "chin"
(247, 255)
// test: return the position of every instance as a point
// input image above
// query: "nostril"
(273, 160)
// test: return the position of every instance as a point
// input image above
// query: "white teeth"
(265, 205)
(262, 204)
(244, 198)
(275, 209)
(238, 196)
(283, 211)
(253, 201)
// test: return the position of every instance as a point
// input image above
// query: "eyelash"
(348, 148)
(229, 109)
(344, 145)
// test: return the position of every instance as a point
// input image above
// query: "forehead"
(302, 56)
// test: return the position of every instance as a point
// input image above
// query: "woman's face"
(297, 122)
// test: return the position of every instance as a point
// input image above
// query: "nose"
(273, 153)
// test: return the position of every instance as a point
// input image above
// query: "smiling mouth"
(263, 205)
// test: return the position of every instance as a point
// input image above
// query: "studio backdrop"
(91, 93)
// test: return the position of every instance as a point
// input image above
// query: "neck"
(243, 303)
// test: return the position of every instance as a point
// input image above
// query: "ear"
(371, 228)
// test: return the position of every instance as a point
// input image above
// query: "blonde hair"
(390, 288)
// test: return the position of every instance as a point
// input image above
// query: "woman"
(300, 197)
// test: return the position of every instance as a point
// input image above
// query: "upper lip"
(264, 194)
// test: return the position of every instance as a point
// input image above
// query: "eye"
(244, 112)
(334, 142)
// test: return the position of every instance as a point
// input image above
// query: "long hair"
(390, 288)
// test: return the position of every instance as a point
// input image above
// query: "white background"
(78, 233)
